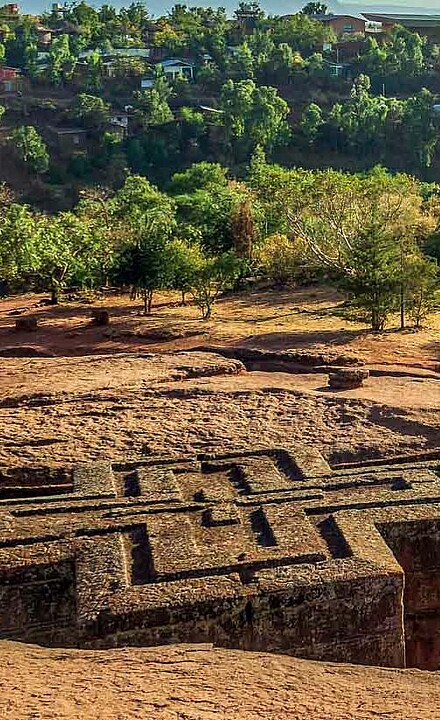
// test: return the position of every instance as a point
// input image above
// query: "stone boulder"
(100, 317)
(347, 378)
(28, 323)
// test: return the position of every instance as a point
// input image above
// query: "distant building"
(67, 140)
(147, 83)
(132, 52)
(343, 24)
(336, 69)
(44, 35)
(118, 122)
(175, 68)
(10, 80)
(427, 25)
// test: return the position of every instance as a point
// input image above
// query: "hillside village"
(107, 92)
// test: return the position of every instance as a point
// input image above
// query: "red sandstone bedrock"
(197, 682)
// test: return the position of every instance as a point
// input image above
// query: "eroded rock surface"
(202, 683)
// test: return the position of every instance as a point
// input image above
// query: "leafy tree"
(213, 277)
(253, 115)
(243, 61)
(301, 32)
(193, 124)
(185, 259)
(147, 216)
(199, 176)
(61, 60)
(18, 255)
(143, 263)
(94, 71)
(315, 8)
(91, 111)
(360, 228)
(420, 127)
(373, 276)
(421, 284)
(280, 259)
(138, 200)
(312, 122)
(361, 119)
(152, 106)
(283, 61)
(30, 148)
(64, 250)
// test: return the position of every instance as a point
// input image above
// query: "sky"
(274, 7)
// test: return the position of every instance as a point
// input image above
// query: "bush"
(281, 260)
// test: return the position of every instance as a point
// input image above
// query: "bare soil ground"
(272, 319)
(199, 683)
(128, 401)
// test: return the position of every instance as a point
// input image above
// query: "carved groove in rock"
(264, 551)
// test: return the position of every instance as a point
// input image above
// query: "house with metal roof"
(175, 68)
(427, 25)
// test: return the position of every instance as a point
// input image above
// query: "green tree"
(203, 175)
(280, 259)
(253, 115)
(148, 222)
(421, 284)
(94, 71)
(361, 120)
(61, 60)
(315, 8)
(143, 264)
(302, 32)
(420, 127)
(18, 254)
(214, 276)
(186, 260)
(311, 122)
(152, 106)
(91, 111)
(30, 148)
(372, 279)
(64, 251)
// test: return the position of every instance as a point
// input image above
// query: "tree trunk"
(402, 307)
(149, 302)
(54, 294)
